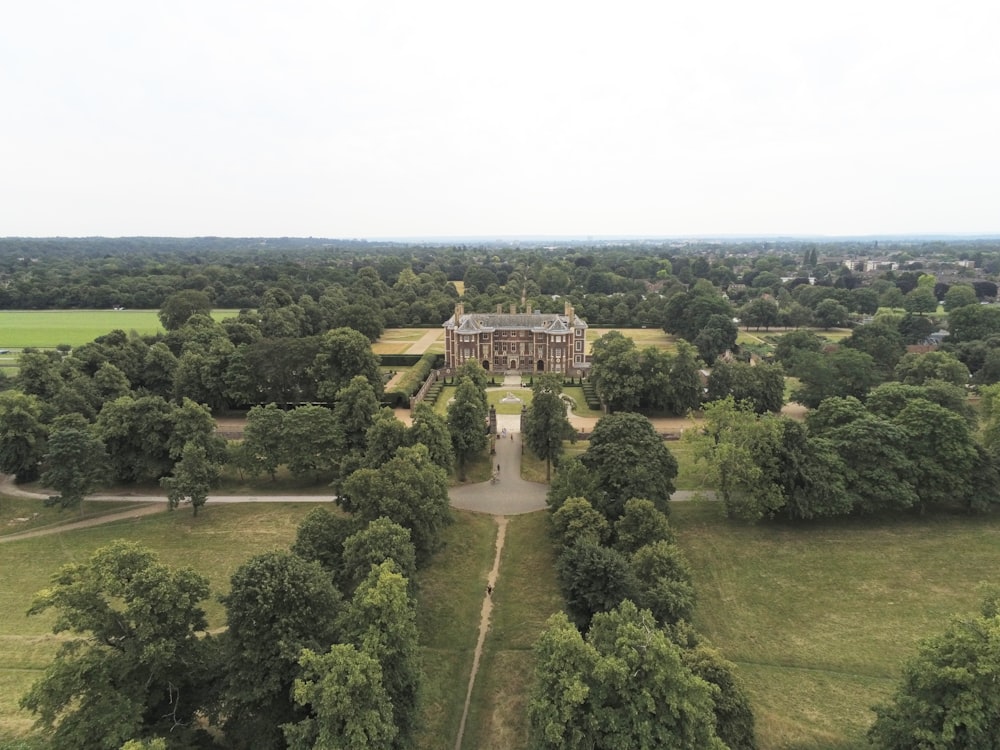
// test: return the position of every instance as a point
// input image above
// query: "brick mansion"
(519, 341)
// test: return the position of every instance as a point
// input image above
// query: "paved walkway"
(425, 342)
(511, 495)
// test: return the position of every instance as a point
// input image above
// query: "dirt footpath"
(484, 624)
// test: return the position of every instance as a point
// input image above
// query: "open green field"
(642, 337)
(47, 329)
(819, 618)
(215, 544)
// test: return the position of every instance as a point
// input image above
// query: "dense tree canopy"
(137, 661)
(623, 685)
(628, 459)
(949, 696)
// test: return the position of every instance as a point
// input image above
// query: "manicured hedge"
(410, 383)
(399, 360)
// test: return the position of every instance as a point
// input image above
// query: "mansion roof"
(535, 322)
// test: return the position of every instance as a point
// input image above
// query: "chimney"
(499, 308)
(513, 308)
(459, 312)
(569, 313)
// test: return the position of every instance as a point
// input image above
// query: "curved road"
(511, 495)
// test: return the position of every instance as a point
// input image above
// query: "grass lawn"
(450, 597)
(526, 595)
(642, 337)
(821, 617)
(495, 396)
(47, 329)
(18, 514)
(215, 544)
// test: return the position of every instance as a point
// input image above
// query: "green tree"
(877, 469)
(546, 425)
(920, 301)
(940, 447)
(278, 604)
(467, 417)
(75, 461)
(625, 685)
(629, 460)
(573, 479)
(192, 477)
(616, 372)
(639, 525)
(203, 363)
(716, 337)
(759, 313)
(353, 413)
(193, 423)
(790, 347)
(593, 579)
(474, 371)
(762, 386)
(740, 449)
(320, 538)
(348, 706)
(830, 314)
(136, 434)
(158, 367)
(310, 434)
(264, 439)
(576, 520)
(410, 490)
(38, 374)
(381, 540)
(917, 369)
(685, 380)
(137, 663)
(384, 436)
(180, 306)
(845, 372)
(949, 696)
(431, 430)
(381, 621)
(881, 340)
(22, 435)
(973, 323)
(734, 720)
(344, 354)
(662, 582)
(361, 318)
(960, 295)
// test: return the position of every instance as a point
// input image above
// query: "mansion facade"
(519, 341)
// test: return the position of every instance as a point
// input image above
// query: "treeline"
(404, 285)
(625, 668)
(320, 647)
(905, 448)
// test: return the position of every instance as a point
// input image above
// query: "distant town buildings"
(521, 341)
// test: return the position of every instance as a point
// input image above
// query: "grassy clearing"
(495, 398)
(820, 618)
(642, 337)
(214, 544)
(450, 598)
(690, 474)
(525, 597)
(47, 329)
(19, 514)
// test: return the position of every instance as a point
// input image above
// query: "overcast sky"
(386, 118)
